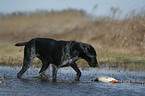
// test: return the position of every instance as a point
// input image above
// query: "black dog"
(58, 53)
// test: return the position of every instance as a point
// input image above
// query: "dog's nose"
(95, 65)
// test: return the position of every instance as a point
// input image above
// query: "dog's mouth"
(93, 64)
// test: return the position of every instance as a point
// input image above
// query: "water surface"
(66, 86)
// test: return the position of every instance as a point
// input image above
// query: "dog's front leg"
(54, 72)
(75, 67)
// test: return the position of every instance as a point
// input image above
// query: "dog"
(58, 53)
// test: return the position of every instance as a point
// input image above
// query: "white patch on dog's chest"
(66, 58)
(68, 61)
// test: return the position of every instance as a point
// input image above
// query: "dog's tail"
(21, 44)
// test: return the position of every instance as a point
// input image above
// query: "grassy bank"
(13, 56)
(114, 40)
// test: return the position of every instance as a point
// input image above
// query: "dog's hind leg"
(29, 55)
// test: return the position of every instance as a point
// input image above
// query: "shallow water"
(66, 86)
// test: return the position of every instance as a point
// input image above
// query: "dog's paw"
(42, 77)
(77, 79)
(19, 76)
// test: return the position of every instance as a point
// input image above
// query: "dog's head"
(87, 52)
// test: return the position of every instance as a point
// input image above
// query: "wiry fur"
(58, 53)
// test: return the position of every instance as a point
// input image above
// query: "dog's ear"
(86, 49)
(80, 48)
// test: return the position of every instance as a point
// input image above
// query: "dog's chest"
(67, 58)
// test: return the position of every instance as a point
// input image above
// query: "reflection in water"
(66, 85)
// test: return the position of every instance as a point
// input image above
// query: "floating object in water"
(1, 80)
(106, 79)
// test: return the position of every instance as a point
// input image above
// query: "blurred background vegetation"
(115, 39)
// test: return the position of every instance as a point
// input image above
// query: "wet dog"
(57, 53)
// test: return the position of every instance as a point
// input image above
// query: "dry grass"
(107, 35)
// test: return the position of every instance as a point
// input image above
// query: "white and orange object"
(106, 79)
